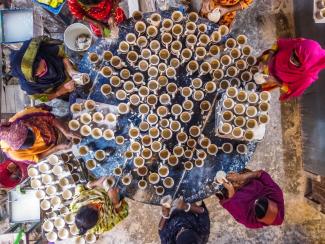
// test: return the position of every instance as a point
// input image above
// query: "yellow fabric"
(30, 154)
(265, 57)
(108, 217)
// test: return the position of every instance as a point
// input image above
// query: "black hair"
(188, 237)
(261, 206)
(86, 219)
(90, 2)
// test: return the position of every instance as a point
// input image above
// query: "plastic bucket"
(71, 34)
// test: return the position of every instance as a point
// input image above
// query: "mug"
(251, 124)
(232, 71)
(175, 126)
(166, 39)
(152, 100)
(264, 107)
(98, 117)
(129, 154)
(162, 68)
(195, 131)
(110, 118)
(67, 194)
(100, 155)
(51, 236)
(140, 27)
(163, 171)
(239, 109)
(164, 123)
(235, 53)
(224, 30)
(45, 205)
(204, 40)
(230, 43)
(154, 132)
(202, 28)
(123, 47)
(166, 25)
(154, 46)
(263, 118)
(204, 142)
(90, 105)
(126, 180)
(251, 111)
(96, 133)
(115, 81)
(265, 96)
(152, 119)
(144, 126)
(76, 108)
(168, 182)
(224, 84)
(152, 31)
(117, 63)
(188, 165)
(137, 16)
(177, 16)
(200, 53)
(130, 38)
(172, 160)
(128, 87)
(218, 74)
(166, 134)
(154, 178)
(210, 87)
(191, 41)
(93, 58)
(85, 118)
(225, 128)
(241, 64)
(74, 125)
(242, 96)
(253, 98)
(146, 153)
(251, 60)
(191, 143)
(106, 89)
(190, 28)
(107, 56)
(162, 81)
(134, 132)
(205, 68)
(118, 171)
(156, 146)
(144, 109)
(199, 163)
(249, 135)
(162, 111)
(240, 121)
(106, 71)
(164, 99)
(108, 134)
(241, 149)
(241, 40)
(123, 108)
(188, 154)
(181, 137)
(153, 86)
(178, 151)
(247, 50)
(154, 19)
(246, 76)
(228, 103)
(212, 149)
(142, 42)
(215, 64)
(164, 54)
(132, 57)
(119, 140)
(198, 95)
(160, 190)
(237, 132)
(227, 147)
(192, 67)
(186, 55)
(205, 106)
(85, 130)
(176, 48)
(216, 37)
(171, 73)
(146, 53)
(138, 78)
(185, 117)
(153, 72)
(214, 50)
(196, 83)
(138, 162)
(193, 17)
(232, 92)
(225, 60)
(142, 184)
(144, 92)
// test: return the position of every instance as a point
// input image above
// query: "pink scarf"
(298, 79)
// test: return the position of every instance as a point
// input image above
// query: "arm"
(69, 67)
(238, 180)
(65, 131)
(54, 149)
(113, 195)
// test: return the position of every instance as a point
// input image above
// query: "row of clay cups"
(249, 96)
(244, 109)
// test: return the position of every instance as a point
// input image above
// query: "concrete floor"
(280, 154)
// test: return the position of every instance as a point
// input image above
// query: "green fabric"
(41, 97)
(30, 55)
(108, 217)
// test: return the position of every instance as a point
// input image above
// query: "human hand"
(72, 135)
(223, 10)
(230, 188)
(263, 65)
(113, 194)
(165, 211)
(205, 7)
(64, 146)
(181, 204)
(233, 177)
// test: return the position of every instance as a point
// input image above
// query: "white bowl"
(71, 34)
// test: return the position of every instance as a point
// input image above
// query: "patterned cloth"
(14, 134)
(101, 12)
(108, 217)
(25, 61)
(228, 18)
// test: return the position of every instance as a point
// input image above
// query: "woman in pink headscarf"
(293, 65)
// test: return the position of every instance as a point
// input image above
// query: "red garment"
(101, 13)
(241, 205)
(5, 180)
(298, 79)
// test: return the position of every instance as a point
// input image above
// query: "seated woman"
(253, 199)
(293, 65)
(228, 9)
(33, 134)
(188, 224)
(43, 69)
(12, 173)
(100, 14)
(97, 210)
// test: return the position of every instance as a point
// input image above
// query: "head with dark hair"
(90, 2)
(187, 237)
(86, 218)
(261, 206)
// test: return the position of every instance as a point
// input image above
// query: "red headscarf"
(6, 181)
(311, 57)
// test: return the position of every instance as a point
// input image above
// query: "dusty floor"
(279, 154)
